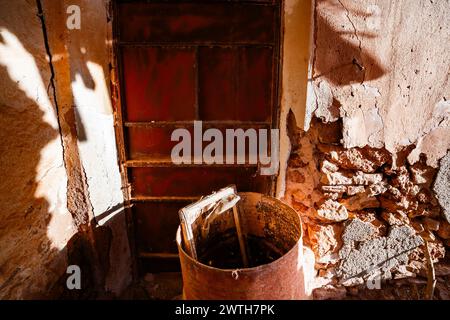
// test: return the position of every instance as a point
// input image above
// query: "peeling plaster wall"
(367, 148)
(35, 224)
(382, 67)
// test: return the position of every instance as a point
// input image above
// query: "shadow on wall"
(38, 236)
(28, 259)
(336, 59)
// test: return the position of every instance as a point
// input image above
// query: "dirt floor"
(169, 286)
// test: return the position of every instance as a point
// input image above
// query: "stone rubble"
(366, 212)
(441, 186)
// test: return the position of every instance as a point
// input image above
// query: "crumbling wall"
(364, 161)
(377, 67)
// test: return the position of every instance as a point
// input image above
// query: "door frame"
(116, 73)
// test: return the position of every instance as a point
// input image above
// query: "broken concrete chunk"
(377, 189)
(418, 260)
(351, 282)
(441, 186)
(357, 230)
(328, 167)
(364, 159)
(377, 255)
(335, 189)
(324, 240)
(401, 239)
(367, 178)
(352, 190)
(336, 178)
(402, 272)
(371, 199)
(421, 173)
(322, 281)
(357, 263)
(372, 218)
(332, 211)
(396, 218)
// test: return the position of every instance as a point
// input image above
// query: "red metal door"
(180, 61)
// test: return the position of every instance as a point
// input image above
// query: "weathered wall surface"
(297, 20)
(364, 171)
(60, 191)
(35, 224)
(366, 153)
(82, 60)
(382, 67)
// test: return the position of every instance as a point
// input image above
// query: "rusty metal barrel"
(273, 233)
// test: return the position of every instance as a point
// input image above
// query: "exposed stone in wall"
(324, 241)
(365, 256)
(367, 212)
(377, 124)
(442, 186)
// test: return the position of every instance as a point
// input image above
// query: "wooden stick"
(240, 237)
(431, 275)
